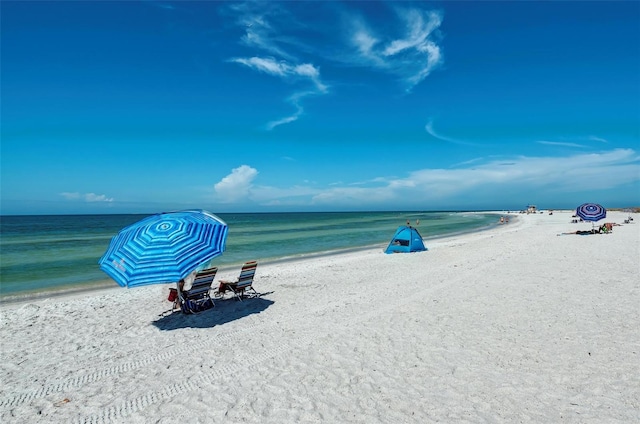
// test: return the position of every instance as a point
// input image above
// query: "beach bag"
(195, 306)
(173, 295)
(187, 306)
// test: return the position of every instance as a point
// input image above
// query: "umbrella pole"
(179, 300)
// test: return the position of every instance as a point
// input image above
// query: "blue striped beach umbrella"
(164, 248)
(591, 212)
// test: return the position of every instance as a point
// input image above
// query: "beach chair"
(243, 285)
(197, 298)
(607, 228)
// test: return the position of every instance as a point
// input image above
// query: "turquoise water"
(43, 253)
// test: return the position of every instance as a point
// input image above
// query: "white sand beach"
(510, 325)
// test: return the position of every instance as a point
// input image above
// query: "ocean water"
(51, 253)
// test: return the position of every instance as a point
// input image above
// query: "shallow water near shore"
(52, 253)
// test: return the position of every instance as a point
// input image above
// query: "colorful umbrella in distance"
(591, 212)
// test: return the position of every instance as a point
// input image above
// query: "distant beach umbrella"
(591, 212)
(164, 248)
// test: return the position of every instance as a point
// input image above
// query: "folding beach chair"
(243, 285)
(197, 298)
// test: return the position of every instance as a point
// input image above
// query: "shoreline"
(513, 324)
(83, 288)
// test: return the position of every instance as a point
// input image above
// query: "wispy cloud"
(255, 18)
(70, 196)
(267, 65)
(582, 139)
(431, 131)
(407, 49)
(291, 73)
(87, 197)
(284, 70)
(92, 197)
(560, 144)
(412, 56)
(264, 26)
(160, 5)
(571, 174)
(594, 138)
(467, 162)
(286, 120)
(294, 100)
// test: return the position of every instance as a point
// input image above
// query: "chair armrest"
(224, 285)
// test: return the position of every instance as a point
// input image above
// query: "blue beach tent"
(406, 239)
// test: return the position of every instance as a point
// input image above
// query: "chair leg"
(239, 294)
(222, 290)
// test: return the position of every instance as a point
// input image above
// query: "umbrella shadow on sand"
(225, 311)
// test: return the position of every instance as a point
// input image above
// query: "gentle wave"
(42, 253)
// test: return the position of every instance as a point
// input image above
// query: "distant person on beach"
(607, 227)
(502, 219)
(584, 232)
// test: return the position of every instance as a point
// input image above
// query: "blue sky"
(150, 106)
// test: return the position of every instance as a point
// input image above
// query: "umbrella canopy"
(591, 212)
(164, 248)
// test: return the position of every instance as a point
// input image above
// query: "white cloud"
(295, 100)
(560, 143)
(429, 129)
(70, 196)
(412, 56)
(571, 144)
(307, 69)
(354, 196)
(410, 51)
(312, 73)
(606, 170)
(260, 33)
(267, 65)
(286, 120)
(572, 173)
(294, 195)
(286, 71)
(365, 43)
(419, 25)
(87, 197)
(237, 185)
(526, 175)
(92, 197)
